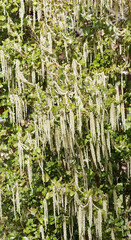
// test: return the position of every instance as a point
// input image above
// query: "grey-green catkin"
(99, 219)
(90, 211)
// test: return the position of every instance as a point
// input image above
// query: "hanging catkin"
(54, 203)
(120, 49)
(104, 150)
(76, 11)
(29, 139)
(79, 218)
(57, 202)
(42, 232)
(12, 115)
(3, 63)
(76, 200)
(15, 99)
(22, 12)
(57, 139)
(50, 42)
(65, 203)
(74, 67)
(45, 214)
(108, 142)
(90, 57)
(92, 127)
(85, 52)
(117, 99)
(93, 151)
(13, 199)
(98, 154)
(64, 228)
(39, 12)
(99, 219)
(113, 116)
(112, 235)
(66, 53)
(45, 8)
(90, 211)
(96, 225)
(89, 234)
(36, 135)
(63, 122)
(81, 159)
(62, 197)
(86, 159)
(70, 142)
(83, 222)
(42, 170)
(34, 16)
(79, 115)
(105, 209)
(98, 129)
(21, 156)
(9, 78)
(4, 9)
(0, 204)
(65, 143)
(79, 120)
(29, 167)
(33, 77)
(71, 123)
(19, 112)
(122, 91)
(99, 103)
(76, 178)
(47, 129)
(101, 6)
(17, 198)
(123, 114)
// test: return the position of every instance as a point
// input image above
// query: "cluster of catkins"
(73, 118)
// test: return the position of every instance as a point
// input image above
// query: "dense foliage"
(65, 121)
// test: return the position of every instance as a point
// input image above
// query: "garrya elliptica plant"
(65, 135)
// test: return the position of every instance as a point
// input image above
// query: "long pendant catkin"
(99, 219)
(17, 198)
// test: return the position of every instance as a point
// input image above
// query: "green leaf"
(2, 18)
(33, 211)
